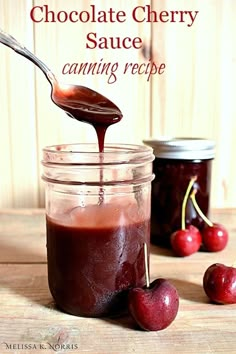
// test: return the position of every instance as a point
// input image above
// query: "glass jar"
(176, 161)
(98, 220)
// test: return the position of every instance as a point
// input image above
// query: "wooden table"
(30, 323)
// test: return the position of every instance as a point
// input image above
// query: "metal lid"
(182, 148)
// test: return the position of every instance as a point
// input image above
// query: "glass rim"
(88, 154)
(113, 148)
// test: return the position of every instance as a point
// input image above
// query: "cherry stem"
(191, 183)
(146, 265)
(196, 206)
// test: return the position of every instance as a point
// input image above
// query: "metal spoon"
(78, 102)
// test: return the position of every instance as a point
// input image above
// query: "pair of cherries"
(188, 240)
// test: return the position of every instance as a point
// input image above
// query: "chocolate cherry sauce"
(95, 252)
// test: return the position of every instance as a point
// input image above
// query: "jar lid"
(182, 148)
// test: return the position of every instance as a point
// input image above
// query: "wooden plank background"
(194, 97)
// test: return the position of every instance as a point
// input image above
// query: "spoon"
(79, 102)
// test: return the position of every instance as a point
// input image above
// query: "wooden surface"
(28, 315)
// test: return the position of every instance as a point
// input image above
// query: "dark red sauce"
(92, 265)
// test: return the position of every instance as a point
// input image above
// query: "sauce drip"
(91, 107)
(86, 105)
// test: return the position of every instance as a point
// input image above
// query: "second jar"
(177, 160)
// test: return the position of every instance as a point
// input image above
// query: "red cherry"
(154, 308)
(186, 242)
(214, 238)
(219, 283)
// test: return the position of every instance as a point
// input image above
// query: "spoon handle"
(12, 43)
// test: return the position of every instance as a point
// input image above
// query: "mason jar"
(97, 222)
(177, 160)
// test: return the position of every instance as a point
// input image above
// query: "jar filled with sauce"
(97, 220)
(176, 161)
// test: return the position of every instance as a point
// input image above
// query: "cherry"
(214, 235)
(219, 283)
(155, 306)
(188, 240)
